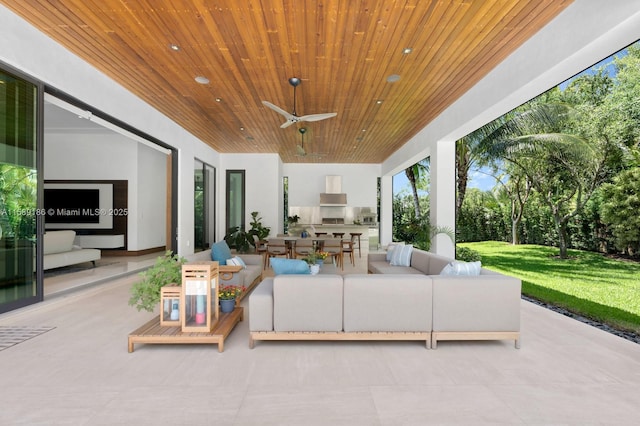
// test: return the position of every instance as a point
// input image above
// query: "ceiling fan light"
(393, 78)
(202, 79)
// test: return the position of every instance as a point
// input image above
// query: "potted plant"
(145, 294)
(227, 294)
(315, 259)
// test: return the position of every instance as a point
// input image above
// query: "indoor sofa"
(60, 251)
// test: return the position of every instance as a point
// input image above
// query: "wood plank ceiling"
(343, 51)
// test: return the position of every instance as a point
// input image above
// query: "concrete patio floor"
(80, 373)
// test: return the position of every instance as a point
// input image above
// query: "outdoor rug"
(12, 335)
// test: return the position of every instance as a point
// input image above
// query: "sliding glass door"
(235, 200)
(18, 192)
(204, 198)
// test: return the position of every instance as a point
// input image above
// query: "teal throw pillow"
(220, 251)
(289, 266)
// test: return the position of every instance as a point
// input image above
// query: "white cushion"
(390, 248)
(462, 268)
(402, 255)
(237, 262)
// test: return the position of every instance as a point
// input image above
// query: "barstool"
(338, 234)
(356, 235)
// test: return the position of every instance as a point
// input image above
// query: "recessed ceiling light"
(407, 50)
(393, 78)
(379, 101)
(218, 99)
(242, 128)
(202, 80)
(174, 47)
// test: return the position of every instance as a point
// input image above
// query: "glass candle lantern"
(170, 305)
(199, 309)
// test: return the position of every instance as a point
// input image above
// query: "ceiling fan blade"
(278, 110)
(300, 150)
(317, 117)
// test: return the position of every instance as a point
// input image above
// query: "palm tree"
(415, 174)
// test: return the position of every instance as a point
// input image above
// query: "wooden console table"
(153, 333)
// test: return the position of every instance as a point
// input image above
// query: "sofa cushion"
(307, 302)
(402, 255)
(462, 268)
(237, 261)
(220, 252)
(369, 305)
(289, 266)
(391, 248)
(58, 241)
(382, 267)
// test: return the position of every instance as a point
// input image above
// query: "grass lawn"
(588, 284)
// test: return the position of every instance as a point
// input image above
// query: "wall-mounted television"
(78, 206)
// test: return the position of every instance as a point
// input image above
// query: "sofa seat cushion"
(370, 305)
(383, 267)
(71, 257)
(307, 303)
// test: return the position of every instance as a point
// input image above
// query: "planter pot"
(315, 269)
(227, 305)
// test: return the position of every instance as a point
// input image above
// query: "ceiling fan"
(300, 151)
(293, 117)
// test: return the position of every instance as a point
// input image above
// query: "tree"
(415, 174)
(620, 207)
(563, 168)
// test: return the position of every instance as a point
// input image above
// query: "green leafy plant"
(238, 239)
(466, 254)
(230, 292)
(257, 228)
(145, 294)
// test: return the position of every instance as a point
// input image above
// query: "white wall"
(263, 188)
(115, 157)
(307, 181)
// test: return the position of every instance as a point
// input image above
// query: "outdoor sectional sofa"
(400, 304)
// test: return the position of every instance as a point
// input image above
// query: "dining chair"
(302, 247)
(333, 246)
(276, 247)
(347, 248)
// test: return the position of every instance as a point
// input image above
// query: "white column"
(443, 195)
(386, 210)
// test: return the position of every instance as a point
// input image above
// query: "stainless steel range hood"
(333, 195)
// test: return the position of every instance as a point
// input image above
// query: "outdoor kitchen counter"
(330, 229)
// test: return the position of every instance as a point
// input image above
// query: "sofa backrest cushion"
(387, 302)
(437, 263)
(58, 241)
(220, 252)
(289, 266)
(420, 260)
(307, 302)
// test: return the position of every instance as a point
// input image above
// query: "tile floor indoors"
(80, 373)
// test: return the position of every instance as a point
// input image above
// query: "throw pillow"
(220, 251)
(235, 260)
(402, 255)
(289, 266)
(462, 268)
(467, 268)
(390, 249)
(448, 269)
